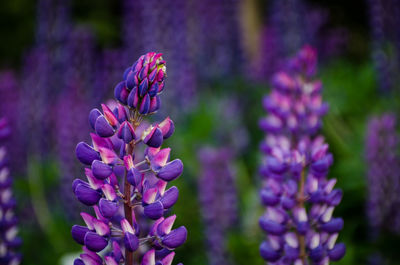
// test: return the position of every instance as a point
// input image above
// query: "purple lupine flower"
(127, 175)
(383, 162)
(384, 35)
(9, 240)
(298, 197)
(143, 18)
(10, 95)
(218, 199)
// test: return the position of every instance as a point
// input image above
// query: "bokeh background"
(61, 58)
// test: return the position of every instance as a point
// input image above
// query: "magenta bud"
(170, 197)
(153, 90)
(121, 93)
(144, 71)
(131, 241)
(171, 170)
(152, 75)
(145, 105)
(101, 170)
(175, 238)
(93, 115)
(126, 72)
(94, 242)
(78, 233)
(155, 104)
(131, 80)
(338, 251)
(87, 195)
(126, 132)
(167, 127)
(133, 98)
(268, 253)
(108, 208)
(86, 154)
(154, 137)
(154, 210)
(143, 87)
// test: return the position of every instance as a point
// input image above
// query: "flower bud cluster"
(295, 104)
(298, 197)
(9, 240)
(127, 175)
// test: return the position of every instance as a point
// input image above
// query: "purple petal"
(86, 154)
(170, 197)
(149, 258)
(155, 104)
(94, 242)
(101, 170)
(93, 115)
(131, 241)
(143, 87)
(269, 198)
(103, 128)
(171, 170)
(272, 227)
(333, 226)
(167, 127)
(126, 132)
(134, 177)
(145, 105)
(317, 254)
(108, 208)
(154, 138)
(175, 238)
(154, 210)
(78, 262)
(87, 195)
(78, 233)
(338, 251)
(165, 226)
(268, 253)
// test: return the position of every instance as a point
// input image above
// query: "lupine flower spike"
(8, 230)
(383, 163)
(218, 199)
(298, 197)
(127, 184)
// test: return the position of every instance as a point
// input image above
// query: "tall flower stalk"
(218, 199)
(383, 160)
(127, 173)
(9, 240)
(298, 197)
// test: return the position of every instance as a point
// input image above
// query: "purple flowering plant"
(9, 240)
(127, 176)
(298, 197)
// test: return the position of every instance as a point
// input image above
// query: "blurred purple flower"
(298, 197)
(218, 199)
(126, 181)
(383, 160)
(9, 241)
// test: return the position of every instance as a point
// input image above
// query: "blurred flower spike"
(127, 174)
(298, 197)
